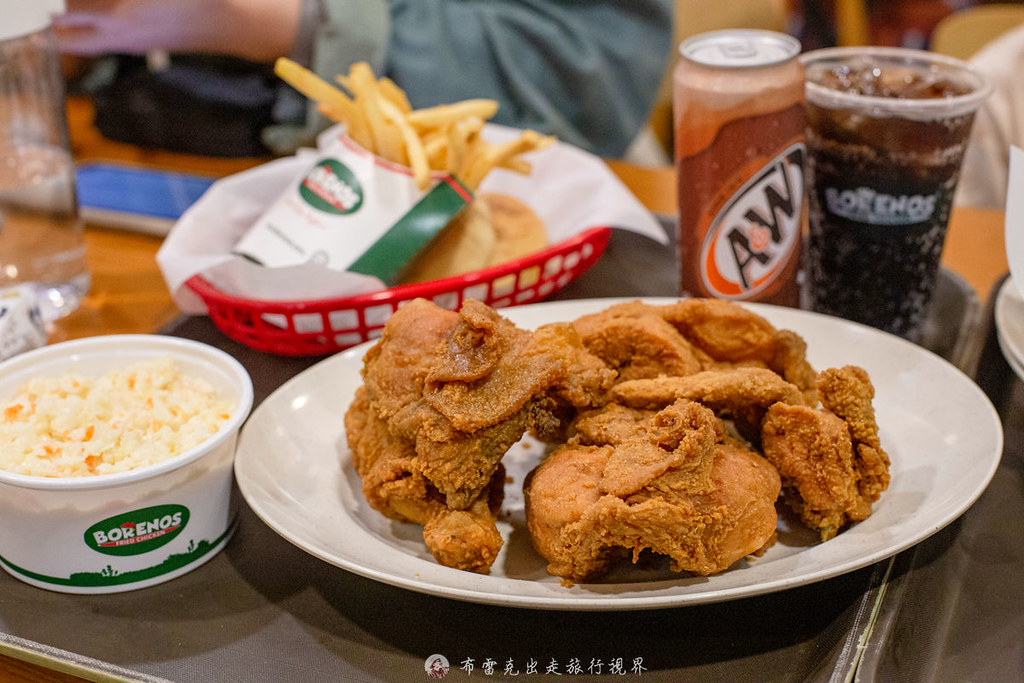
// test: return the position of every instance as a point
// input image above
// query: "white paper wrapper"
(1015, 218)
(569, 189)
(337, 213)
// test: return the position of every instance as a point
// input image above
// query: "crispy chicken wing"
(812, 451)
(733, 334)
(668, 482)
(831, 461)
(848, 393)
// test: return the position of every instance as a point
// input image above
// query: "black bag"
(213, 106)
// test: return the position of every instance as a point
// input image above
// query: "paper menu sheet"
(569, 189)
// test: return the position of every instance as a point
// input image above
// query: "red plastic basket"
(321, 327)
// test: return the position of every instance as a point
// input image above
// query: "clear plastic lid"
(925, 66)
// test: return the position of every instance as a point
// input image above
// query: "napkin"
(570, 190)
(1015, 218)
(22, 327)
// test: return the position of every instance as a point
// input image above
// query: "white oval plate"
(941, 432)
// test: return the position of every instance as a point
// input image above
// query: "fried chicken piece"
(460, 464)
(573, 375)
(611, 424)
(740, 393)
(726, 331)
(463, 387)
(395, 374)
(848, 393)
(813, 453)
(395, 368)
(730, 333)
(468, 539)
(640, 346)
(831, 461)
(444, 396)
(789, 359)
(721, 334)
(394, 485)
(670, 483)
(488, 369)
(731, 390)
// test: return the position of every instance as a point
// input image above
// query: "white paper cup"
(118, 532)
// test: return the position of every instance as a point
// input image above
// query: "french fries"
(434, 140)
(332, 103)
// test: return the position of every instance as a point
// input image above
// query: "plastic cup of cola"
(119, 531)
(886, 133)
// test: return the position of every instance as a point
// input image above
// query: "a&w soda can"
(739, 151)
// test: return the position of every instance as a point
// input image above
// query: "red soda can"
(739, 150)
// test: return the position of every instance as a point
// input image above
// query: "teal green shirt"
(586, 71)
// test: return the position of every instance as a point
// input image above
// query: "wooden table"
(129, 295)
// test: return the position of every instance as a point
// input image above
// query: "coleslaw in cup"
(126, 530)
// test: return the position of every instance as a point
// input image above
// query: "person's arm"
(998, 124)
(257, 30)
(985, 169)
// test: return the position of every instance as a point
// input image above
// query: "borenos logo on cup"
(138, 531)
(866, 205)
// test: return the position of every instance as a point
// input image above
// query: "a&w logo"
(754, 236)
(138, 531)
(332, 187)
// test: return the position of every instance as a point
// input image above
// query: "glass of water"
(41, 238)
